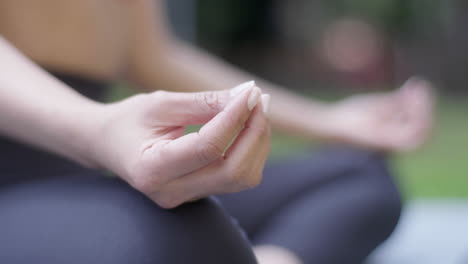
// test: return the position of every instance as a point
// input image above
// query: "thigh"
(96, 219)
(286, 181)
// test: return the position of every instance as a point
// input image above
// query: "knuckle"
(251, 180)
(139, 100)
(209, 100)
(160, 94)
(139, 97)
(241, 179)
(151, 104)
(158, 100)
(209, 150)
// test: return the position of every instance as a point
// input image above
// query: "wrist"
(337, 126)
(320, 121)
(106, 134)
(85, 133)
(326, 123)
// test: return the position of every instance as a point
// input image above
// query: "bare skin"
(141, 139)
(112, 39)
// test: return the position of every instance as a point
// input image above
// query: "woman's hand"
(142, 140)
(395, 121)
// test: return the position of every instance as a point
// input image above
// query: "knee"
(102, 220)
(377, 195)
(371, 187)
(202, 232)
(368, 181)
(198, 232)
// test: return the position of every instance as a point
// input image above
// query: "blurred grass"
(440, 169)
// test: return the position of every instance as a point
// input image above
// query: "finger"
(406, 128)
(392, 104)
(250, 150)
(194, 108)
(393, 137)
(244, 161)
(254, 136)
(242, 167)
(196, 150)
(419, 102)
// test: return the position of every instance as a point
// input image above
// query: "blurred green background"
(380, 43)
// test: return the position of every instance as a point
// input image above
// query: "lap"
(97, 219)
(93, 218)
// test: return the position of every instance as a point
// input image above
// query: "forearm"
(39, 110)
(184, 68)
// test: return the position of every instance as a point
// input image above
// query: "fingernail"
(265, 103)
(253, 98)
(241, 87)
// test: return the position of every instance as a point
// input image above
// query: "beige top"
(86, 37)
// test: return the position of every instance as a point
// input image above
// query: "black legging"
(333, 207)
(95, 219)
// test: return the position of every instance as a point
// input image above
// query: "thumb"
(195, 108)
